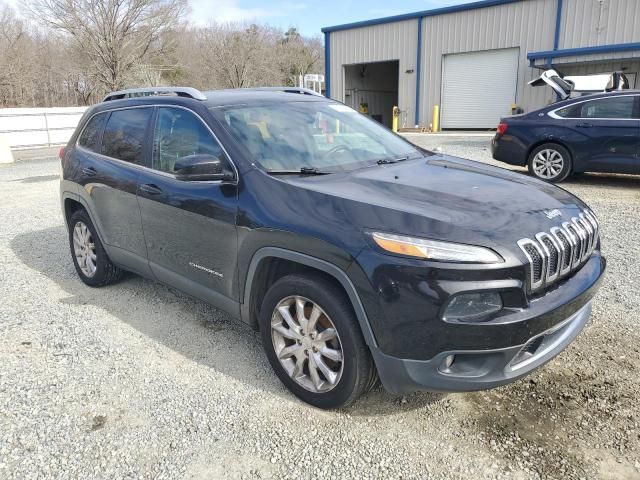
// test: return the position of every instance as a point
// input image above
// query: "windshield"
(324, 136)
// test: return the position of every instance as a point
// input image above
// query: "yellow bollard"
(435, 119)
(394, 122)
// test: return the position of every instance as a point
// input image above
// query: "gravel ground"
(137, 380)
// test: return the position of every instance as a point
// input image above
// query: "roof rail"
(300, 90)
(149, 91)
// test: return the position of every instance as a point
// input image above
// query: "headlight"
(435, 250)
(467, 307)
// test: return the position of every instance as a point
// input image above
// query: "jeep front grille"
(561, 251)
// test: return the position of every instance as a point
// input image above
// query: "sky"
(309, 16)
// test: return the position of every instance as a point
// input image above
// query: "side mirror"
(201, 167)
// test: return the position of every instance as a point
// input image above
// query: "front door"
(189, 226)
(610, 129)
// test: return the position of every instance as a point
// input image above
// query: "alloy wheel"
(548, 163)
(84, 249)
(307, 344)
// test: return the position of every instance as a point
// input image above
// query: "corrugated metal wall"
(589, 23)
(529, 24)
(391, 41)
(630, 67)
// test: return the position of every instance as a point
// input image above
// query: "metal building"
(474, 60)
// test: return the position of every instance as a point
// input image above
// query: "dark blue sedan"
(595, 133)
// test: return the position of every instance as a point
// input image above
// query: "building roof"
(424, 13)
(581, 51)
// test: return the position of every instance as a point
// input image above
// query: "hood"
(447, 198)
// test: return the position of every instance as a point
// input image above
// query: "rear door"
(189, 226)
(112, 149)
(608, 133)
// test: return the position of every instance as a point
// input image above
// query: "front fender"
(325, 266)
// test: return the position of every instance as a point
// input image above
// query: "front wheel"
(313, 341)
(550, 162)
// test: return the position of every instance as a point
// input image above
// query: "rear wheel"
(550, 162)
(89, 257)
(313, 342)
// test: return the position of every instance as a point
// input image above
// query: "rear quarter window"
(90, 137)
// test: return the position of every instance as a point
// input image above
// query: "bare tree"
(13, 38)
(236, 55)
(93, 46)
(114, 34)
(299, 55)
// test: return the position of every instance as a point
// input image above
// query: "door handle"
(89, 171)
(584, 125)
(151, 189)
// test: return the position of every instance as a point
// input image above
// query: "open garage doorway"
(372, 88)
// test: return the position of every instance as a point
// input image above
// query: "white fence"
(38, 127)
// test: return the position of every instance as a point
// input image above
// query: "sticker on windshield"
(342, 108)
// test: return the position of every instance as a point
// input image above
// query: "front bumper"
(411, 353)
(479, 369)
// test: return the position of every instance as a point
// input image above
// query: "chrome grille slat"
(559, 252)
(590, 232)
(581, 240)
(552, 252)
(565, 250)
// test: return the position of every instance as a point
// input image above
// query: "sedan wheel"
(307, 344)
(548, 164)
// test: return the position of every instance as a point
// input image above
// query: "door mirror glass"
(201, 167)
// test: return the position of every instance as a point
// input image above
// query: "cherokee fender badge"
(205, 269)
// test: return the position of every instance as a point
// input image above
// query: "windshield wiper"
(386, 161)
(302, 170)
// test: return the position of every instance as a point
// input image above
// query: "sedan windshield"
(312, 137)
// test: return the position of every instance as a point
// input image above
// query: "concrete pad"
(5, 152)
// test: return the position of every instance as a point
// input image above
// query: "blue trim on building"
(418, 70)
(327, 66)
(425, 13)
(569, 52)
(556, 37)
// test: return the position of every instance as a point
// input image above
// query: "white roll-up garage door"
(478, 87)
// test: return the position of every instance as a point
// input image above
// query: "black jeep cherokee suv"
(355, 253)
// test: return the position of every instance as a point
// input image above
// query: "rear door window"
(90, 137)
(124, 134)
(609, 108)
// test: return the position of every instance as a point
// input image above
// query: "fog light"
(468, 307)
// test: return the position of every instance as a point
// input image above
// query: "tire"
(550, 162)
(97, 271)
(352, 376)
